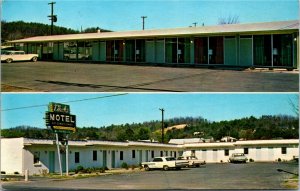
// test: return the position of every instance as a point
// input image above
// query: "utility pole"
(162, 125)
(143, 17)
(195, 24)
(53, 18)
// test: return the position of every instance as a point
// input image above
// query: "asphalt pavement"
(262, 176)
(87, 77)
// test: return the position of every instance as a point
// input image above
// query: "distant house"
(268, 44)
(228, 139)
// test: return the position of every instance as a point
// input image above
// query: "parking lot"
(84, 77)
(212, 176)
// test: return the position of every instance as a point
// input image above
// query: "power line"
(79, 100)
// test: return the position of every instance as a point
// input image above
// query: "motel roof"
(30, 142)
(229, 29)
(87, 143)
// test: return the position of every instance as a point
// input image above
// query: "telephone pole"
(143, 17)
(162, 124)
(53, 18)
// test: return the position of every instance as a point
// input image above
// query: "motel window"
(110, 50)
(283, 150)
(77, 157)
(283, 50)
(171, 50)
(175, 154)
(226, 152)
(140, 50)
(70, 51)
(184, 46)
(201, 50)
(166, 153)
(36, 157)
(121, 155)
(152, 154)
(130, 50)
(262, 50)
(246, 151)
(94, 155)
(161, 153)
(133, 154)
(216, 50)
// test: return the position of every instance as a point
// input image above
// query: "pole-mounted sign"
(59, 119)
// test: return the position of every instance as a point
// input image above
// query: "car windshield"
(239, 154)
(170, 159)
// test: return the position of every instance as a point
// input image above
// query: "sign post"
(59, 119)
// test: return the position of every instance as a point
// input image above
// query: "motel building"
(269, 44)
(20, 154)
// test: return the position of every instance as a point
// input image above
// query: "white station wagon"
(10, 56)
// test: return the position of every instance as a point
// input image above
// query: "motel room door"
(150, 51)
(246, 51)
(160, 51)
(104, 159)
(113, 159)
(51, 162)
(230, 51)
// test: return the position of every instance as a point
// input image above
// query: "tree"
(229, 20)
(294, 103)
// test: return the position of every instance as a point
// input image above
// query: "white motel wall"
(38, 156)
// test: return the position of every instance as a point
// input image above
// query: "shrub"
(279, 159)
(79, 169)
(124, 165)
(16, 172)
(251, 160)
(3, 172)
(102, 170)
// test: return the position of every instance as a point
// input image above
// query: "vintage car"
(11, 55)
(192, 161)
(238, 158)
(164, 163)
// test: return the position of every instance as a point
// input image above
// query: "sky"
(99, 111)
(124, 15)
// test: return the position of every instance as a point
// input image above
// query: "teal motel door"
(140, 156)
(104, 158)
(51, 164)
(63, 162)
(113, 159)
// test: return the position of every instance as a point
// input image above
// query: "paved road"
(213, 176)
(83, 77)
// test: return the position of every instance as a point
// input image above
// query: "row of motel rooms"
(272, 44)
(19, 154)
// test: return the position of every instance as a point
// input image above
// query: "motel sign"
(59, 118)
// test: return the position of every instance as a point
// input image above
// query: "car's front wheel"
(9, 60)
(146, 168)
(34, 59)
(166, 168)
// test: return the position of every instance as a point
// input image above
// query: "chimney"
(98, 31)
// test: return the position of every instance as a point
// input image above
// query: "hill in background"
(249, 128)
(20, 29)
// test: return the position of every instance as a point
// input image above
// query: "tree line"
(20, 29)
(249, 128)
